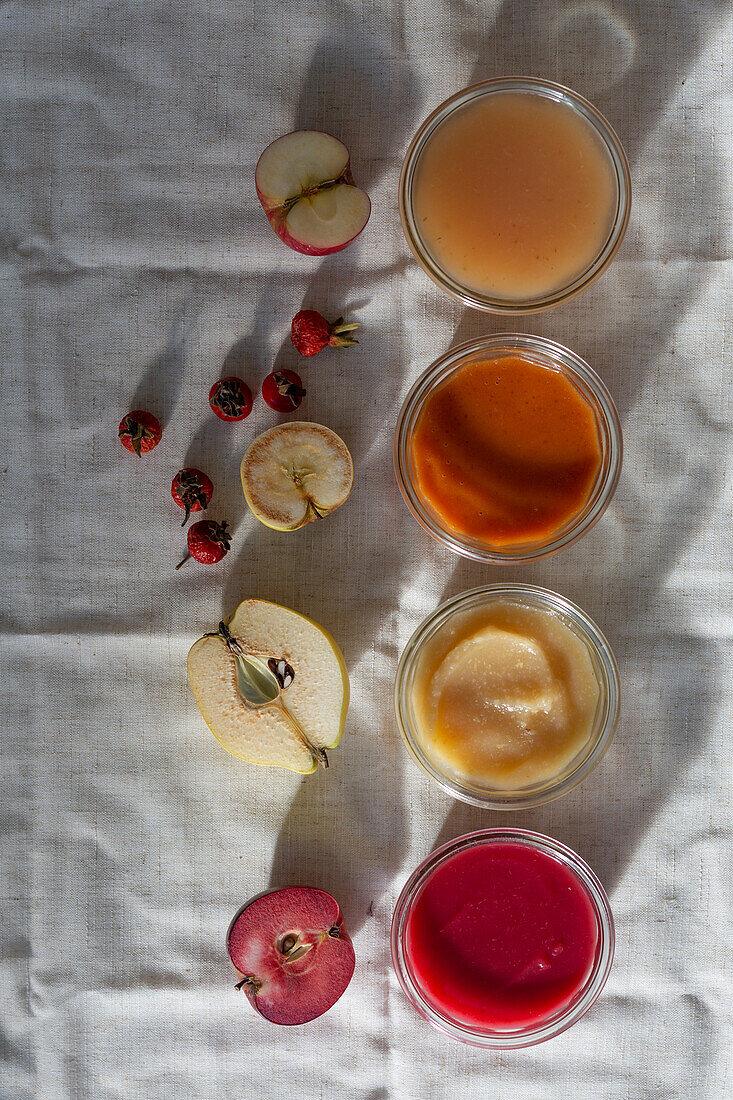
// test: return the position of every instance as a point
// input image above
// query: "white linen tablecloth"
(135, 263)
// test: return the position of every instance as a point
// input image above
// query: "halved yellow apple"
(312, 704)
(295, 473)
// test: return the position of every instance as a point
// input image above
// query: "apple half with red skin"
(293, 952)
(305, 185)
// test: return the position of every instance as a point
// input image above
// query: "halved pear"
(314, 703)
(295, 473)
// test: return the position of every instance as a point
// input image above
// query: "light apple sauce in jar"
(505, 695)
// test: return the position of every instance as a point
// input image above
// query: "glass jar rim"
(607, 713)
(548, 89)
(551, 1026)
(582, 376)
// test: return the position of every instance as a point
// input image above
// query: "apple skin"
(276, 217)
(292, 992)
(309, 517)
(306, 249)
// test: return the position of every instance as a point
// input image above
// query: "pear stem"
(318, 754)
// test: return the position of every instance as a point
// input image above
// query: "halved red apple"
(305, 185)
(293, 952)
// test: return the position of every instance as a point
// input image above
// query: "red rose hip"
(293, 952)
(231, 399)
(139, 431)
(192, 489)
(208, 542)
(310, 332)
(283, 390)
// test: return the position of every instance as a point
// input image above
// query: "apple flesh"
(295, 473)
(304, 183)
(293, 953)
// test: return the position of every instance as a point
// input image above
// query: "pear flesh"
(316, 701)
(295, 473)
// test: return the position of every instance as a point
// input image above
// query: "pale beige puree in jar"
(514, 195)
(505, 695)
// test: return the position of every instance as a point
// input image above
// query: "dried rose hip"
(231, 399)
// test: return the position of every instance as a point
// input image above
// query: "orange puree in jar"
(506, 451)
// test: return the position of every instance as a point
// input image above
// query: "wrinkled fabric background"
(135, 267)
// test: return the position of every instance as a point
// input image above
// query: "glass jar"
(540, 1030)
(618, 165)
(552, 356)
(604, 722)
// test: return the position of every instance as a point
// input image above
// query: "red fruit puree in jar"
(501, 937)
